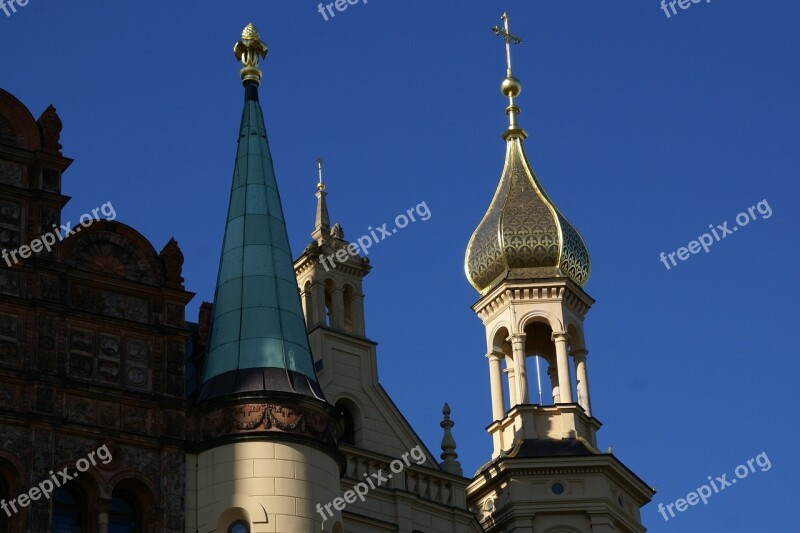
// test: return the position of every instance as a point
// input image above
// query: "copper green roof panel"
(258, 336)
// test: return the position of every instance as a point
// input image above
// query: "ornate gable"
(114, 249)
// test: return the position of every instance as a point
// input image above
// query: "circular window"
(557, 488)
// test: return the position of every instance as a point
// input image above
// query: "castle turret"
(268, 438)
(529, 264)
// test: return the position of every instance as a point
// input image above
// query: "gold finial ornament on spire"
(247, 50)
(511, 86)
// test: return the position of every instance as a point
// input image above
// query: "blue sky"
(643, 129)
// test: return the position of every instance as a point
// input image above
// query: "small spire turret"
(449, 455)
(322, 223)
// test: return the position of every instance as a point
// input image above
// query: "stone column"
(103, 507)
(518, 345)
(308, 312)
(562, 361)
(496, 384)
(318, 304)
(357, 308)
(582, 380)
(512, 386)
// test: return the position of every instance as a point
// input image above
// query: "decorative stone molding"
(253, 418)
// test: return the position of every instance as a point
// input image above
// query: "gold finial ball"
(511, 87)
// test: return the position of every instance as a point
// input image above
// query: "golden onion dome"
(523, 235)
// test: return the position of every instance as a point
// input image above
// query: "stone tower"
(529, 264)
(426, 495)
(267, 453)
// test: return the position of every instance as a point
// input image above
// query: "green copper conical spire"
(258, 336)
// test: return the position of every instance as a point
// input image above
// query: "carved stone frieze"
(8, 396)
(46, 331)
(174, 424)
(9, 339)
(112, 254)
(134, 419)
(44, 400)
(175, 368)
(174, 314)
(268, 417)
(9, 282)
(10, 172)
(109, 303)
(80, 409)
(108, 414)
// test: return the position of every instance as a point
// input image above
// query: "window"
(240, 526)
(349, 435)
(122, 517)
(68, 513)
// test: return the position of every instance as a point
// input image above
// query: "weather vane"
(508, 37)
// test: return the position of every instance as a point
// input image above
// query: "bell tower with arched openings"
(529, 264)
(525, 320)
(329, 273)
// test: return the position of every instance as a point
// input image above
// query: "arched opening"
(540, 349)
(124, 514)
(575, 338)
(352, 422)
(240, 526)
(328, 302)
(541, 390)
(69, 511)
(133, 504)
(337, 528)
(349, 296)
(234, 520)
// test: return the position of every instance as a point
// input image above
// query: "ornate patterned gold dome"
(523, 234)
